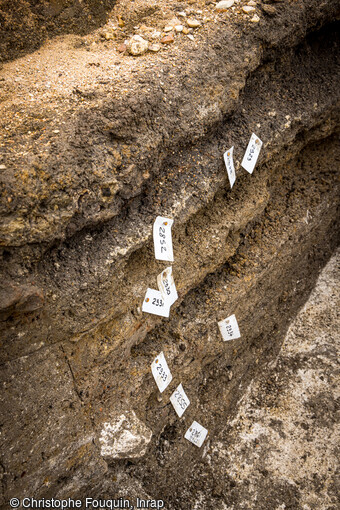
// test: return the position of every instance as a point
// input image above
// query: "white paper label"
(252, 153)
(161, 372)
(162, 239)
(229, 328)
(179, 400)
(196, 434)
(167, 286)
(229, 163)
(154, 303)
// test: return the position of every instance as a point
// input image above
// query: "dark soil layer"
(26, 24)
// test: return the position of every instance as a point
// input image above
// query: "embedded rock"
(15, 299)
(124, 437)
(224, 5)
(137, 45)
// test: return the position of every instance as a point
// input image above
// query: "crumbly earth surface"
(97, 142)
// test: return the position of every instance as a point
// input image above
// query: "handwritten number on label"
(196, 434)
(251, 153)
(162, 372)
(180, 400)
(167, 287)
(154, 302)
(229, 328)
(162, 240)
(229, 163)
(157, 302)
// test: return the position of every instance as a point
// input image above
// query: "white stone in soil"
(124, 437)
(193, 23)
(137, 45)
(248, 9)
(225, 4)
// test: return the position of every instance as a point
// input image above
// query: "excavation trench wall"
(77, 252)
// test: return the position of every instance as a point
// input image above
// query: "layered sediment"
(95, 145)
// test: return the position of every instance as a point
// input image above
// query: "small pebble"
(183, 14)
(191, 37)
(121, 23)
(252, 3)
(137, 45)
(56, 131)
(154, 47)
(255, 19)
(121, 48)
(193, 23)
(3, 167)
(179, 28)
(185, 30)
(168, 28)
(248, 8)
(168, 39)
(224, 5)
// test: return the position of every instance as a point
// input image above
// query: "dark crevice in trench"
(74, 381)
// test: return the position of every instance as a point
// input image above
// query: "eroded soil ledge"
(95, 144)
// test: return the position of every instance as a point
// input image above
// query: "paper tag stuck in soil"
(161, 372)
(252, 153)
(196, 434)
(167, 286)
(155, 303)
(229, 328)
(229, 163)
(162, 239)
(179, 400)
